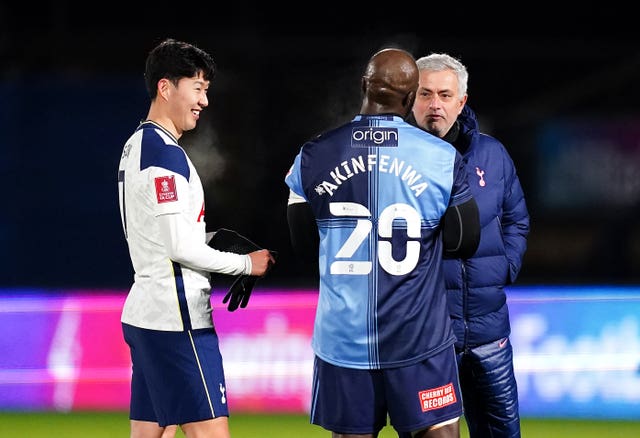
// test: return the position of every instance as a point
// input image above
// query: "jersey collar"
(146, 123)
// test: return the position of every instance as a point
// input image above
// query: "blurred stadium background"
(563, 99)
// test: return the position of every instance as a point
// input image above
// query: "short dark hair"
(172, 59)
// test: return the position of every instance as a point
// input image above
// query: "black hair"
(173, 60)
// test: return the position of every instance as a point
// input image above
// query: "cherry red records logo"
(437, 398)
(166, 189)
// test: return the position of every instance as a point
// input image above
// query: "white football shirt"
(162, 210)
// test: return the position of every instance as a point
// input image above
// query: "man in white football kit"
(178, 377)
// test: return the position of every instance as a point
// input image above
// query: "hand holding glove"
(231, 241)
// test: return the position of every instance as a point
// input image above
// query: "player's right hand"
(261, 262)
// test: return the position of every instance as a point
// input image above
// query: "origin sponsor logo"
(374, 137)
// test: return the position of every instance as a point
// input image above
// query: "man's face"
(187, 100)
(438, 102)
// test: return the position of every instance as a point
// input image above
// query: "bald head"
(390, 83)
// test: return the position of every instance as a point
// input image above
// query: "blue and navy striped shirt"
(378, 188)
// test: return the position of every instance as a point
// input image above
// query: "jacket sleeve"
(515, 219)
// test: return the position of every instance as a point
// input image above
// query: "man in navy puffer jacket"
(476, 286)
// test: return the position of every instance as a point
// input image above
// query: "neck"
(452, 135)
(158, 116)
(373, 108)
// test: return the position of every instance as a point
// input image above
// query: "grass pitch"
(116, 424)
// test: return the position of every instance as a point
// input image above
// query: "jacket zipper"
(463, 269)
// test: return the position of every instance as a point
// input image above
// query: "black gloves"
(239, 292)
(231, 241)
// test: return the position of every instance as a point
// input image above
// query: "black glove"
(231, 241)
(240, 292)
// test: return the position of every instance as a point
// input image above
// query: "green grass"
(116, 424)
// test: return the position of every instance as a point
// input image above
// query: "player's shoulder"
(160, 149)
(416, 134)
(154, 134)
(333, 131)
(325, 138)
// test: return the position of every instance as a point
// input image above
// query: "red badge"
(166, 189)
(437, 398)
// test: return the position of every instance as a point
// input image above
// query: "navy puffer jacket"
(475, 286)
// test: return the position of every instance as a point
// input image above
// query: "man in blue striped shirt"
(388, 199)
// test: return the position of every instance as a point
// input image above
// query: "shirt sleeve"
(187, 249)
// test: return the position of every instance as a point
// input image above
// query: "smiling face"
(177, 107)
(185, 101)
(438, 102)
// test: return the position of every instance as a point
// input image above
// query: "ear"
(463, 102)
(164, 85)
(363, 86)
(408, 100)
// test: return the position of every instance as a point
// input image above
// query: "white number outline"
(385, 228)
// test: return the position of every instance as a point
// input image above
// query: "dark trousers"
(489, 390)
